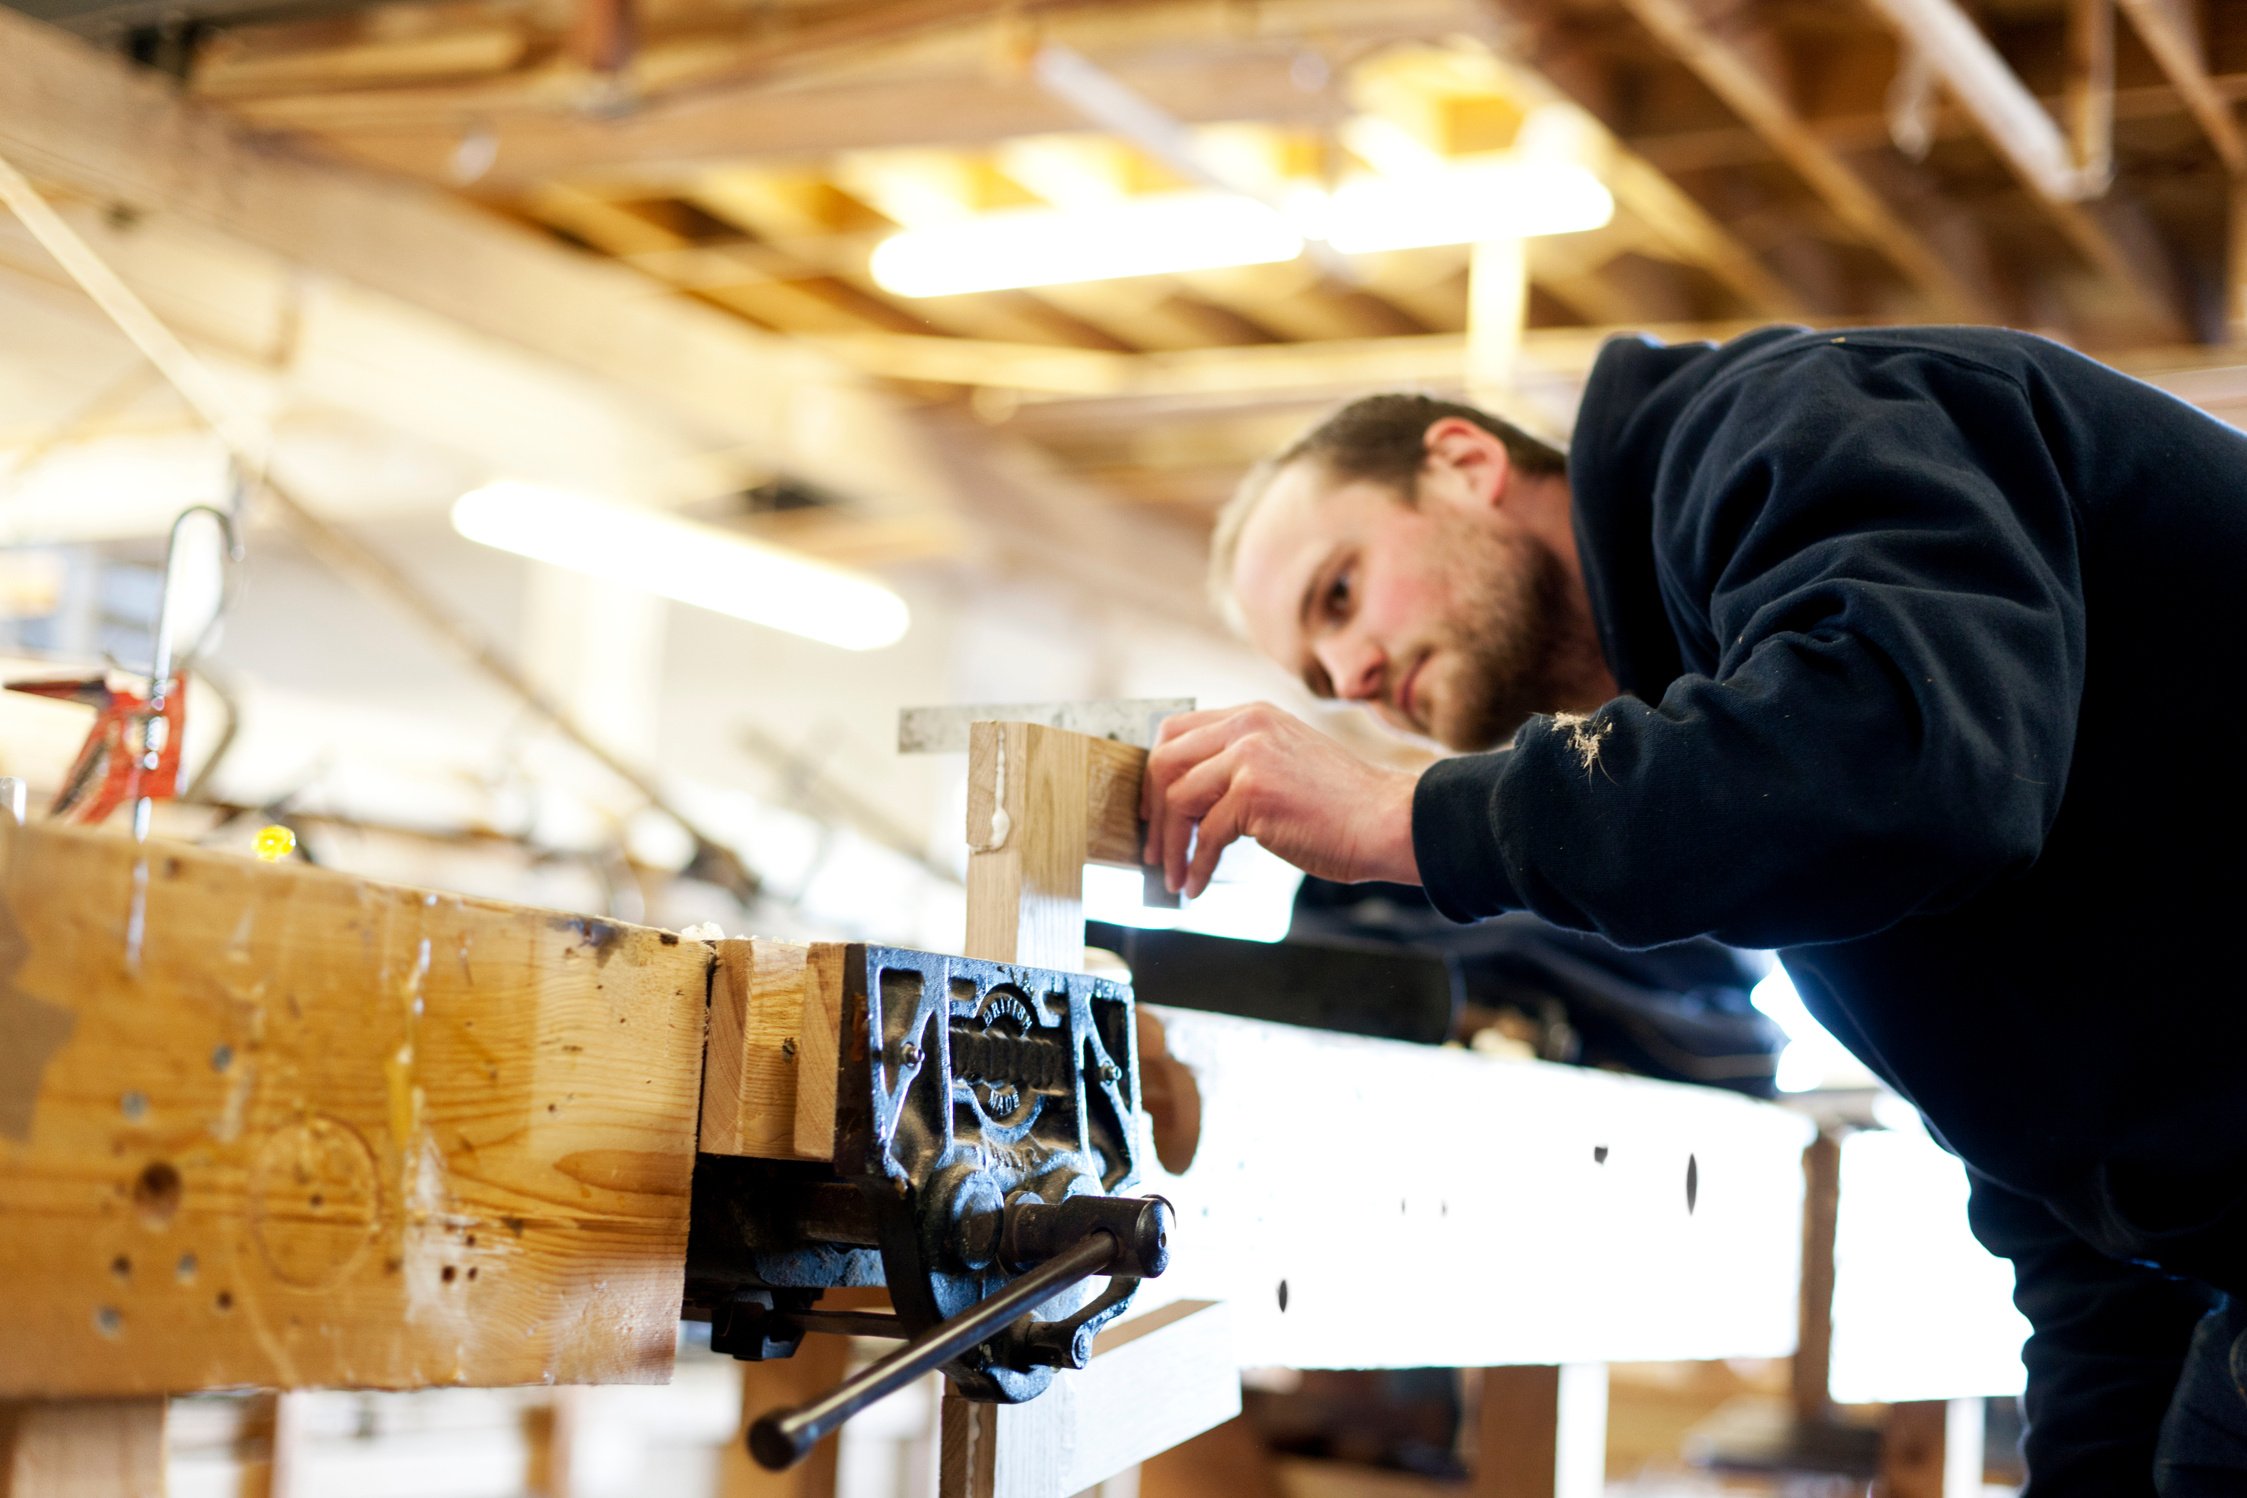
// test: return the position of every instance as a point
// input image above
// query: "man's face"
(1443, 616)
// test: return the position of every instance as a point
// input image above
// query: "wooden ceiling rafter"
(2173, 33)
(1741, 58)
(781, 303)
(2110, 230)
(1197, 59)
(1547, 35)
(761, 203)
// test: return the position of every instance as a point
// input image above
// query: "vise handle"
(1120, 1236)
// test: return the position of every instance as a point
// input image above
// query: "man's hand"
(1257, 772)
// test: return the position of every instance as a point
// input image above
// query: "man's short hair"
(1378, 437)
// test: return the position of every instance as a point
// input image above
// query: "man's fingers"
(1219, 827)
(1202, 735)
(1164, 763)
(1190, 797)
(1180, 723)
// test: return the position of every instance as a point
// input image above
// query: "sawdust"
(1585, 738)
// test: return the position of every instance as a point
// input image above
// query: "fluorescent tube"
(1466, 205)
(1159, 234)
(1164, 233)
(682, 560)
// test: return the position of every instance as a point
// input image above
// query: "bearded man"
(1911, 653)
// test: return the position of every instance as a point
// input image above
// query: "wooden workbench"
(267, 1125)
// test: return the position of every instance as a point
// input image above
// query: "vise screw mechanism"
(985, 1128)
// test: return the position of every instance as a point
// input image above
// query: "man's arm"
(1892, 586)
(1888, 726)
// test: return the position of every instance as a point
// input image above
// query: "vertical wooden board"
(819, 1020)
(268, 1125)
(758, 997)
(1541, 1432)
(1517, 1429)
(727, 1060)
(82, 1448)
(1155, 1380)
(1027, 844)
(1821, 1209)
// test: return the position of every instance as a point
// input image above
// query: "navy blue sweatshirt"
(1934, 666)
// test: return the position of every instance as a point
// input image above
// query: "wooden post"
(1497, 306)
(1932, 1448)
(1025, 903)
(1027, 845)
(818, 1366)
(1035, 815)
(1821, 1203)
(1542, 1432)
(82, 1448)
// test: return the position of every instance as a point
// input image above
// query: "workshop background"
(897, 352)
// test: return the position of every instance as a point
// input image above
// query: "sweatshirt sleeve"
(1884, 556)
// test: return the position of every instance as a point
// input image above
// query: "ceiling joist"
(2109, 231)
(1744, 63)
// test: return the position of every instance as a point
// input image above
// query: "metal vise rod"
(783, 1438)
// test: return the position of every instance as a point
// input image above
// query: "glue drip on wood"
(1001, 823)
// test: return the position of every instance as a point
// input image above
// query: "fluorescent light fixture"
(1468, 205)
(681, 560)
(1166, 233)
(1158, 234)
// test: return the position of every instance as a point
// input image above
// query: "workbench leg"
(1541, 1432)
(819, 1365)
(1932, 1448)
(1025, 903)
(1821, 1211)
(82, 1448)
(1226, 1461)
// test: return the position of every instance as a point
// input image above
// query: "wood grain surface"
(269, 1125)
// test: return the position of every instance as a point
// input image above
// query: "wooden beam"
(1192, 58)
(76, 117)
(1656, 1222)
(2171, 30)
(1743, 62)
(1065, 391)
(2112, 235)
(1850, 125)
(778, 209)
(1982, 81)
(2088, 104)
(1548, 41)
(773, 297)
(674, 142)
(265, 1124)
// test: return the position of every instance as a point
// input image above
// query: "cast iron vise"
(984, 1132)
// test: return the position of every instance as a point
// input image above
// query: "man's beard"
(1521, 644)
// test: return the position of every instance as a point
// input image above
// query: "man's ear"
(1472, 463)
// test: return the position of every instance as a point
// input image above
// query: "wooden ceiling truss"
(2069, 165)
